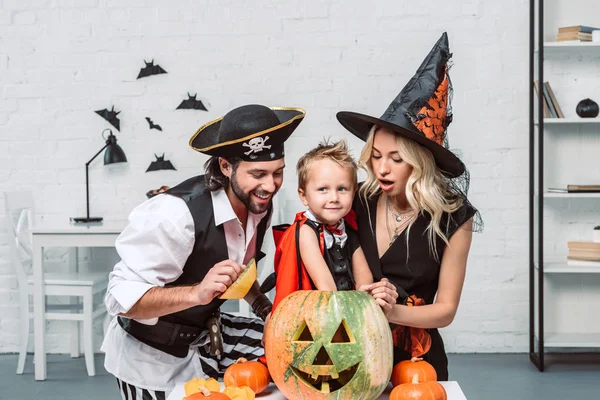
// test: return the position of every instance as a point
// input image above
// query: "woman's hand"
(383, 292)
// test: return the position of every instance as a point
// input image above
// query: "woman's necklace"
(401, 219)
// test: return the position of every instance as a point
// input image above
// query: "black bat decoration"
(150, 69)
(191, 104)
(160, 163)
(153, 125)
(111, 117)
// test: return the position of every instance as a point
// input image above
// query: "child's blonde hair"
(336, 151)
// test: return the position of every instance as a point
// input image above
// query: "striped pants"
(241, 338)
(130, 392)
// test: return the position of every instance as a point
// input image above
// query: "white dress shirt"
(154, 248)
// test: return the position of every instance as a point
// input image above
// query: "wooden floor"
(481, 376)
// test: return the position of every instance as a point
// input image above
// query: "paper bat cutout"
(160, 163)
(111, 117)
(191, 104)
(150, 69)
(153, 125)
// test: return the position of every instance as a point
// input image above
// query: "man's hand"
(383, 292)
(217, 280)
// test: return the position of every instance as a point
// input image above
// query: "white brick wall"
(62, 59)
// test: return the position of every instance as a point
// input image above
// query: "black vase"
(587, 109)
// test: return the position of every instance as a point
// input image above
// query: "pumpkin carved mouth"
(326, 383)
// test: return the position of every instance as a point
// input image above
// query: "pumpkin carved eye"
(343, 334)
(303, 334)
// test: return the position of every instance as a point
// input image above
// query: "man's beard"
(245, 197)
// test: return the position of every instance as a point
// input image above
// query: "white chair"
(77, 285)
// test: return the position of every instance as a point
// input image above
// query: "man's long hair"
(215, 179)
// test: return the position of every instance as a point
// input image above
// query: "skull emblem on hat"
(256, 145)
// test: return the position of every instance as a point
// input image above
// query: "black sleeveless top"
(416, 274)
(337, 258)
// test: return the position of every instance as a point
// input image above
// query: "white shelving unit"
(573, 340)
(555, 267)
(552, 195)
(564, 311)
(571, 120)
(571, 45)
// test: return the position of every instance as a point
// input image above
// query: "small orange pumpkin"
(205, 394)
(419, 391)
(404, 371)
(253, 374)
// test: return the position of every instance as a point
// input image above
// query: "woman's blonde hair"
(427, 190)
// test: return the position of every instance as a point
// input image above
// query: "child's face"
(329, 191)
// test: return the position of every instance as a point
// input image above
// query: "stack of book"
(578, 32)
(584, 254)
(551, 107)
(576, 189)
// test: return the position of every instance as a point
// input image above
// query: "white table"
(452, 389)
(62, 234)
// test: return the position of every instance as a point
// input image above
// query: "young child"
(321, 250)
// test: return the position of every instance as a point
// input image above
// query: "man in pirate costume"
(183, 248)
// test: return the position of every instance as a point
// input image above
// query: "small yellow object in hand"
(242, 284)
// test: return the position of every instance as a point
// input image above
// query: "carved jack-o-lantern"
(329, 345)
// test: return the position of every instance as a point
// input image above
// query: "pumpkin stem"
(415, 359)
(415, 379)
(241, 360)
(204, 391)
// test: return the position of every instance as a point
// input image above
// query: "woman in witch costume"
(415, 222)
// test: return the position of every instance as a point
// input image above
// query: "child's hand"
(383, 292)
(262, 340)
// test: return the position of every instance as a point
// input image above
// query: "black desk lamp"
(114, 154)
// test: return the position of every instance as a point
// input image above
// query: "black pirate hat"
(252, 132)
(421, 111)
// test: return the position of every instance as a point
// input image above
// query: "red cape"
(290, 276)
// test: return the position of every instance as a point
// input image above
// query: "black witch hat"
(421, 111)
(252, 132)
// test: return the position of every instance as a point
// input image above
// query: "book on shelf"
(584, 246)
(583, 37)
(553, 100)
(557, 190)
(582, 263)
(553, 113)
(577, 28)
(583, 188)
(584, 255)
(545, 104)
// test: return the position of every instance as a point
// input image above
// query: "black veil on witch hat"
(252, 132)
(421, 111)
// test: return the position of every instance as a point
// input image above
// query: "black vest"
(209, 248)
(337, 258)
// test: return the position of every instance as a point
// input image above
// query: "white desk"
(452, 389)
(60, 235)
